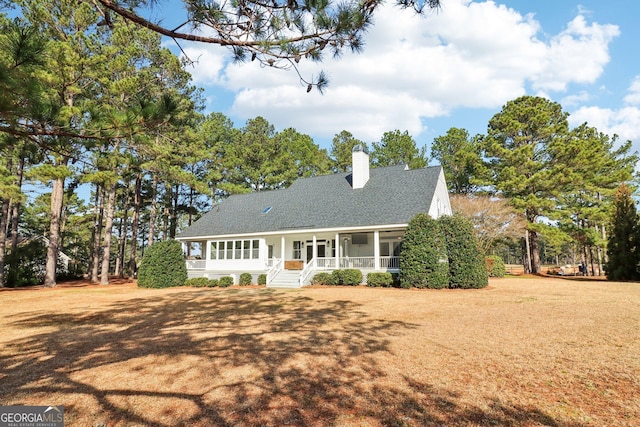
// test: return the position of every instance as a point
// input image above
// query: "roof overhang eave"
(296, 231)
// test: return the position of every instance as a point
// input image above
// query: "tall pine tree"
(623, 251)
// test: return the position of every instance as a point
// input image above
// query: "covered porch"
(300, 254)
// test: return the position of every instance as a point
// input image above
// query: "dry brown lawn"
(523, 352)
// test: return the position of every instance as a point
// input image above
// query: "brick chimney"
(359, 166)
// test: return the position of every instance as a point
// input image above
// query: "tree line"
(559, 181)
(91, 99)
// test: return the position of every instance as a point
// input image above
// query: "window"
(256, 249)
(297, 249)
(246, 249)
(213, 250)
(236, 249)
(229, 249)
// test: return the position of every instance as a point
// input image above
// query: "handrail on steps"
(273, 271)
(311, 265)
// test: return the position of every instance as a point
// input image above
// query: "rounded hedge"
(423, 258)
(197, 282)
(381, 279)
(262, 279)
(245, 279)
(163, 266)
(467, 265)
(322, 278)
(495, 266)
(351, 277)
(225, 281)
(347, 277)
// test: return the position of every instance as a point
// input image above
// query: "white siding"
(440, 204)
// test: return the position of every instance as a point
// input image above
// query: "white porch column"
(282, 248)
(376, 250)
(184, 248)
(314, 252)
(337, 250)
(206, 253)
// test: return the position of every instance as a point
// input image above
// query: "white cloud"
(577, 55)
(633, 97)
(468, 55)
(208, 62)
(575, 99)
(624, 122)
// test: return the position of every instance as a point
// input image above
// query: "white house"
(345, 220)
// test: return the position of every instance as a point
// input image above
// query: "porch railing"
(357, 262)
(392, 262)
(196, 264)
(369, 263)
(304, 274)
(326, 263)
(274, 270)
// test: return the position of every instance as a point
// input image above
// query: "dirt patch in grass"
(522, 352)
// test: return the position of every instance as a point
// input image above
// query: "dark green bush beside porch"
(162, 266)
(423, 259)
(467, 264)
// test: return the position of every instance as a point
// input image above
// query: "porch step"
(286, 279)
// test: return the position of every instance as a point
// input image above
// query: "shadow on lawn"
(268, 358)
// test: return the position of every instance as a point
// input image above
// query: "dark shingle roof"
(392, 195)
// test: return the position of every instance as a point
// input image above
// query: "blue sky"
(454, 68)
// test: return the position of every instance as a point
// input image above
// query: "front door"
(321, 250)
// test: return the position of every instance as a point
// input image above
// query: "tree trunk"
(527, 253)
(123, 237)
(53, 250)
(174, 213)
(191, 199)
(15, 215)
(591, 257)
(4, 216)
(134, 224)
(166, 211)
(154, 207)
(97, 233)
(108, 231)
(535, 252)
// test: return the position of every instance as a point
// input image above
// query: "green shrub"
(423, 258)
(213, 283)
(351, 277)
(495, 266)
(347, 277)
(322, 278)
(379, 279)
(262, 279)
(467, 264)
(245, 279)
(197, 282)
(336, 278)
(162, 266)
(225, 281)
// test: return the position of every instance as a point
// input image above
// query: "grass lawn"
(551, 352)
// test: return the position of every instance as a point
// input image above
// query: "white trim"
(297, 231)
(376, 250)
